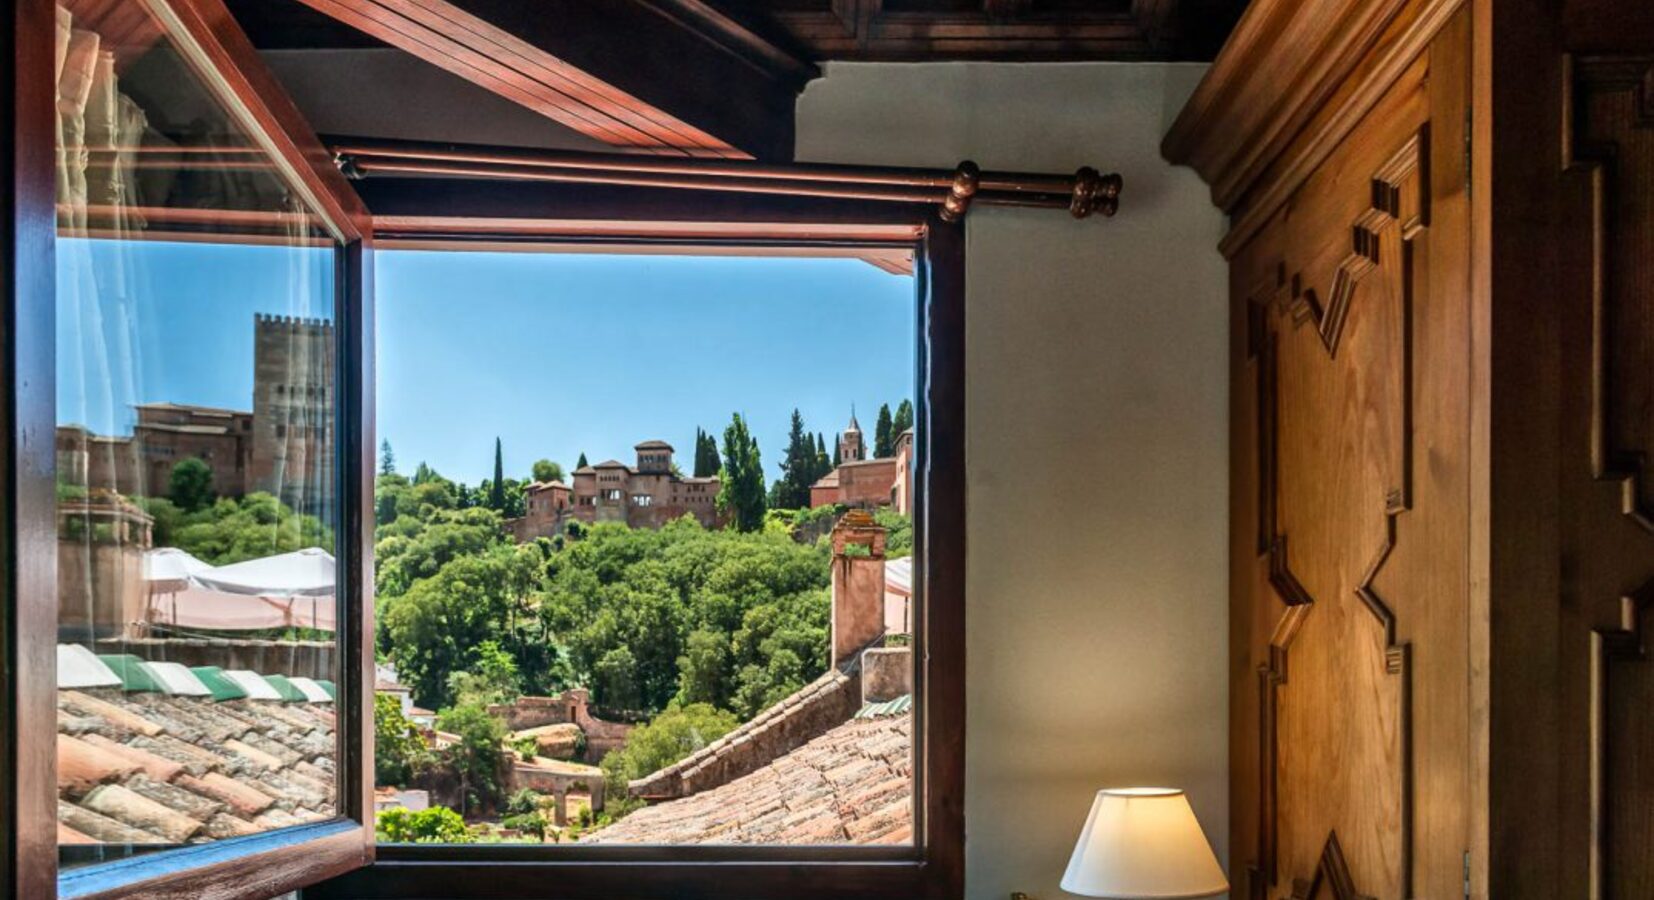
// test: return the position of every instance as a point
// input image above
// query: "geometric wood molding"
(1299, 306)
(1595, 161)
(1363, 257)
(1333, 872)
(1626, 643)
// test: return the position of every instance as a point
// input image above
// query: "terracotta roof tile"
(157, 768)
(125, 805)
(67, 835)
(853, 784)
(82, 766)
(101, 828)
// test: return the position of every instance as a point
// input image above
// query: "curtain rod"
(1083, 193)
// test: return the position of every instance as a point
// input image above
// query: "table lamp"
(1143, 844)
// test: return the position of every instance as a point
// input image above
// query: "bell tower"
(850, 446)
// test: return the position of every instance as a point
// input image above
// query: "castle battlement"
(293, 322)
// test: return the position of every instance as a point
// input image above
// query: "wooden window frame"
(604, 219)
(337, 858)
(259, 865)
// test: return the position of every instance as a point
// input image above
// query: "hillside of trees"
(643, 618)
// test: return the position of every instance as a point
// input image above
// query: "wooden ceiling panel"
(719, 77)
(674, 78)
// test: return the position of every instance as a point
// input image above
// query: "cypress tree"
(496, 491)
(794, 487)
(581, 464)
(741, 495)
(838, 445)
(822, 465)
(883, 440)
(904, 419)
(387, 459)
(706, 455)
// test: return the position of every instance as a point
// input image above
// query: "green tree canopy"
(398, 750)
(741, 494)
(387, 458)
(545, 471)
(678, 612)
(496, 488)
(823, 465)
(433, 825)
(231, 531)
(798, 468)
(669, 737)
(190, 487)
(903, 419)
(884, 439)
(436, 628)
(477, 759)
(581, 463)
(706, 455)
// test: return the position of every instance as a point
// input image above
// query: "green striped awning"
(289, 693)
(222, 688)
(332, 690)
(130, 670)
(899, 706)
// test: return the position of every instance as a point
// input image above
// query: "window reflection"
(195, 498)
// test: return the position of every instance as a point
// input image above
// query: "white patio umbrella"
(309, 572)
(287, 590)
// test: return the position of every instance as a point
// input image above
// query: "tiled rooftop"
(851, 785)
(162, 766)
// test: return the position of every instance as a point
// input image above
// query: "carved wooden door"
(1351, 509)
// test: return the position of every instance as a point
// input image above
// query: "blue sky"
(556, 354)
(563, 354)
(169, 321)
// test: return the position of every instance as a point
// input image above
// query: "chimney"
(858, 584)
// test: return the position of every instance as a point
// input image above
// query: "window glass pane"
(645, 548)
(195, 499)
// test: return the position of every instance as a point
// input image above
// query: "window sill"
(285, 860)
(514, 879)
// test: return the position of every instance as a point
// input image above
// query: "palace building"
(647, 495)
(867, 483)
(283, 447)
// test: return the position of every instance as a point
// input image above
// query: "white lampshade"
(1143, 844)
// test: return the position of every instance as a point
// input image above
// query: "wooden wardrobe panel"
(1442, 421)
(1351, 391)
(1606, 314)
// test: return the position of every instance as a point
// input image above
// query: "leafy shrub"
(524, 801)
(398, 750)
(669, 737)
(436, 825)
(533, 823)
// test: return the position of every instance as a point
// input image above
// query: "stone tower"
(850, 447)
(293, 397)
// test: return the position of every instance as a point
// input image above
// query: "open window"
(190, 506)
(185, 309)
(870, 726)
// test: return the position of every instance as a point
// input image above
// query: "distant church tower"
(850, 447)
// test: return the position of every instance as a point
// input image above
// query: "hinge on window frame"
(1467, 875)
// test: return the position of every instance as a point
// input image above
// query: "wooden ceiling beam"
(673, 77)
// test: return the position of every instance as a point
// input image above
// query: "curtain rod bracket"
(1094, 192)
(967, 177)
(348, 167)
